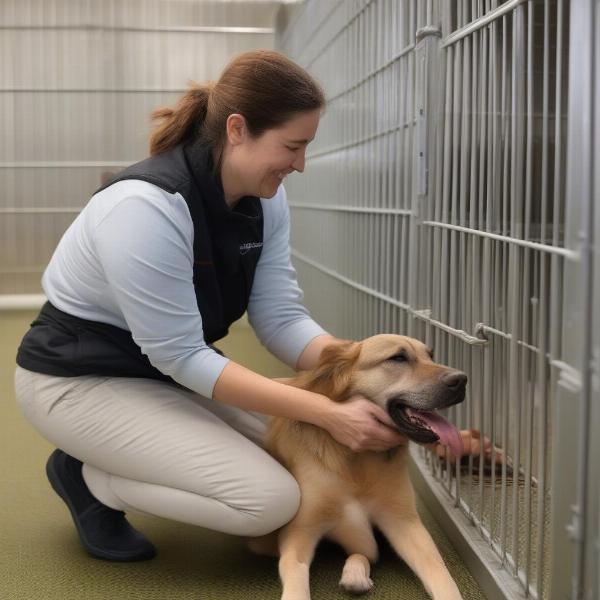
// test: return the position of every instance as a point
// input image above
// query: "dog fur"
(344, 492)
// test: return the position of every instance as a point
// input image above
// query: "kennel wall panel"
(78, 82)
(578, 404)
(499, 132)
(592, 543)
(434, 201)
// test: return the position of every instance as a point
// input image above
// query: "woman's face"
(262, 163)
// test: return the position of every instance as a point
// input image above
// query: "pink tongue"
(448, 433)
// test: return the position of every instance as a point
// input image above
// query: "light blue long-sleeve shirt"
(127, 260)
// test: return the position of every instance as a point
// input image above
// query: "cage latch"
(474, 340)
(427, 31)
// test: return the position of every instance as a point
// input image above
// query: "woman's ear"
(333, 373)
(236, 129)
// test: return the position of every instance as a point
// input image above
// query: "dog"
(344, 492)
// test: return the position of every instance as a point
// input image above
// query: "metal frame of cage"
(440, 201)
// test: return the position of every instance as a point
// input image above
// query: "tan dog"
(344, 492)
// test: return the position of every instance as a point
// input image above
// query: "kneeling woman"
(118, 370)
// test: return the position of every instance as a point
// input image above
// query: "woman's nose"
(298, 164)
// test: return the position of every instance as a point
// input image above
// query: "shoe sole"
(94, 551)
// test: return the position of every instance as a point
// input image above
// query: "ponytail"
(183, 122)
(264, 86)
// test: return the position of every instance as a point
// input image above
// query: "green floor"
(40, 556)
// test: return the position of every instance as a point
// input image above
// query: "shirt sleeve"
(147, 257)
(275, 310)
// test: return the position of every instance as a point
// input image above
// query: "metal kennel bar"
(441, 200)
(576, 573)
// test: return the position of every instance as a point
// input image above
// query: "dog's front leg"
(297, 543)
(413, 543)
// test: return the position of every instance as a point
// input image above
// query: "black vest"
(227, 246)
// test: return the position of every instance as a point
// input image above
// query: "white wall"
(78, 81)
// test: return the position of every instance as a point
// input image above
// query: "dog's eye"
(400, 357)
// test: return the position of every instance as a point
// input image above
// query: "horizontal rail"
(29, 210)
(463, 32)
(21, 301)
(353, 209)
(473, 340)
(21, 270)
(383, 67)
(361, 141)
(481, 331)
(484, 330)
(349, 282)
(322, 22)
(331, 40)
(65, 164)
(129, 29)
(564, 252)
(423, 315)
(94, 90)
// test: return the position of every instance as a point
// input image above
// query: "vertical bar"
(503, 501)
(461, 213)
(518, 76)
(448, 142)
(556, 306)
(542, 369)
(441, 175)
(476, 397)
(488, 257)
(594, 449)
(482, 269)
(526, 371)
(582, 154)
(456, 115)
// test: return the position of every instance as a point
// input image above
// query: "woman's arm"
(248, 390)
(310, 355)
(275, 308)
(358, 424)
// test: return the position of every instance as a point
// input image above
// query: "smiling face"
(257, 166)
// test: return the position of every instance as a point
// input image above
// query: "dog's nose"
(455, 380)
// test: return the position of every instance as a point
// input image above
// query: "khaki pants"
(153, 448)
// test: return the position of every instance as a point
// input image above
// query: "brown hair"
(264, 86)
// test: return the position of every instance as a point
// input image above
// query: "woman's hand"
(361, 425)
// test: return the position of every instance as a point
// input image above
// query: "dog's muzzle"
(415, 416)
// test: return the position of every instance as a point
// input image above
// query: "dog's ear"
(333, 372)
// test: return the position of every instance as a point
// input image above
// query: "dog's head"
(397, 373)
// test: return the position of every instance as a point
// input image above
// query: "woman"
(118, 370)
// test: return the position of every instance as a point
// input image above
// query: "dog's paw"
(355, 576)
(355, 581)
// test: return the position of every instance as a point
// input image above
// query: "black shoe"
(103, 531)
